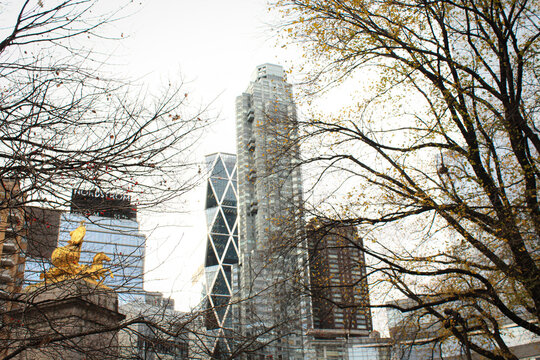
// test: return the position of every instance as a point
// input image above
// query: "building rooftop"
(268, 70)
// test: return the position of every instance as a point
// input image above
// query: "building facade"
(149, 342)
(272, 258)
(371, 348)
(119, 239)
(339, 287)
(13, 240)
(221, 252)
(112, 228)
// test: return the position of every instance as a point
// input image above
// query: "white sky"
(214, 45)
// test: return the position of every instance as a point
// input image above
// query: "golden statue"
(66, 262)
(66, 258)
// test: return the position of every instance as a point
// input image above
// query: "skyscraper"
(221, 251)
(112, 228)
(270, 221)
(13, 241)
(338, 281)
(142, 341)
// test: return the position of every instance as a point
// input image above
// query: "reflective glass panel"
(210, 198)
(219, 226)
(219, 170)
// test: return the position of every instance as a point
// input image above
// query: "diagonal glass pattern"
(210, 319)
(210, 198)
(227, 269)
(231, 257)
(230, 197)
(219, 170)
(220, 305)
(230, 215)
(220, 351)
(210, 274)
(220, 242)
(235, 187)
(219, 187)
(211, 258)
(210, 215)
(221, 253)
(219, 226)
(230, 163)
(220, 286)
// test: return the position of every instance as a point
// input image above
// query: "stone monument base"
(72, 319)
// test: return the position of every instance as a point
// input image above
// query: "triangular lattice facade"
(222, 247)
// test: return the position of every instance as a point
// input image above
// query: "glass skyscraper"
(272, 254)
(115, 232)
(221, 251)
(119, 239)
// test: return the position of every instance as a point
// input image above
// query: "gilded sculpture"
(65, 260)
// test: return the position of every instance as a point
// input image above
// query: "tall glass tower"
(121, 240)
(272, 259)
(111, 227)
(221, 251)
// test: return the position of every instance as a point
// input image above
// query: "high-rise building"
(340, 294)
(149, 342)
(12, 239)
(270, 218)
(372, 348)
(42, 230)
(112, 228)
(221, 251)
(339, 288)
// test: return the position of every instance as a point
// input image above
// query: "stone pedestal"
(73, 319)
